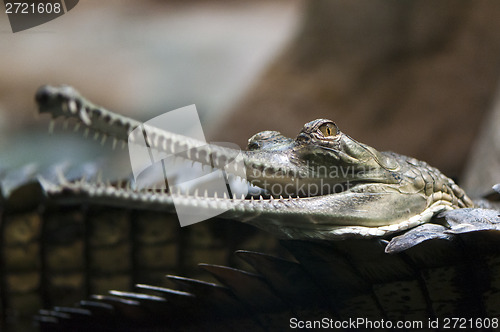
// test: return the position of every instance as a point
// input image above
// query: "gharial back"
(431, 182)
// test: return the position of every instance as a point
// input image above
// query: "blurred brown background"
(140, 59)
(417, 77)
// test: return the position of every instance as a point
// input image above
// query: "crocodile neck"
(320, 185)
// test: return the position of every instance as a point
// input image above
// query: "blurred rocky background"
(417, 77)
(138, 58)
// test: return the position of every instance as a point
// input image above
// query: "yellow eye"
(328, 129)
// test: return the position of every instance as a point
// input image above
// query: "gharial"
(321, 186)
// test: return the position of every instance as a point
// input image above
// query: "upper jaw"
(281, 166)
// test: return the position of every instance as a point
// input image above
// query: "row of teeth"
(86, 132)
(124, 188)
(156, 139)
(232, 168)
(107, 188)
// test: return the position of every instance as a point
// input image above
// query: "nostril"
(253, 146)
(303, 137)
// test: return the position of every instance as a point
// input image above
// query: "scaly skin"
(321, 185)
(58, 250)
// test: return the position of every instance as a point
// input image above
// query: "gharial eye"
(328, 129)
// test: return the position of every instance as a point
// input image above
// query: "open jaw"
(321, 185)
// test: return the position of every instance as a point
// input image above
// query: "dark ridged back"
(341, 281)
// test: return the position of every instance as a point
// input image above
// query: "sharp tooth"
(52, 124)
(242, 197)
(104, 138)
(281, 198)
(215, 161)
(188, 153)
(196, 193)
(84, 116)
(164, 144)
(271, 199)
(251, 199)
(205, 194)
(290, 198)
(225, 195)
(115, 141)
(215, 195)
(261, 198)
(60, 176)
(234, 197)
(72, 106)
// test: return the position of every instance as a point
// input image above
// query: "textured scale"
(398, 240)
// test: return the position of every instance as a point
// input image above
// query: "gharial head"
(351, 188)
(320, 160)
